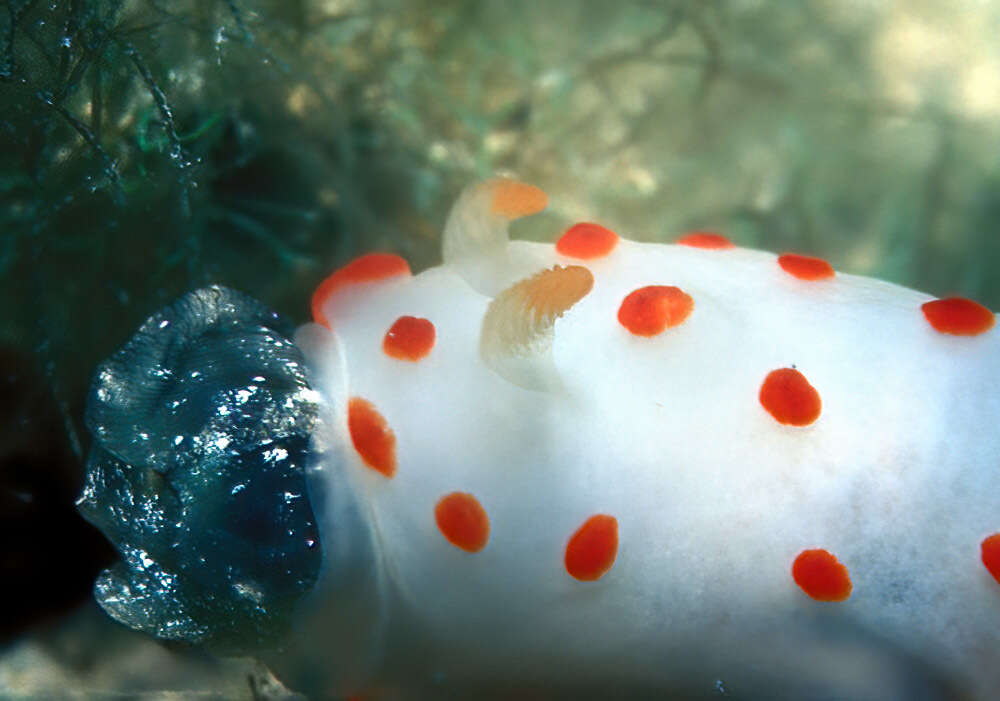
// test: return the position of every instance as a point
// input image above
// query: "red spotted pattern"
(371, 436)
(789, 398)
(592, 549)
(958, 316)
(705, 239)
(463, 522)
(990, 551)
(650, 310)
(587, 241)
(819, 574)
(409, 338)
(805, 267)
(367, 268)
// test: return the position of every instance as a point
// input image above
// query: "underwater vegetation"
(151, 148)
(147, 149)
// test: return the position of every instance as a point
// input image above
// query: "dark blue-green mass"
(201, 426)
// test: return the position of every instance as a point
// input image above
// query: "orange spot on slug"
(463, 522)
(821, 576)
(592, 550)
(409, 338)
(705, 239)
(789, 398)
(367, 268)
(586, 241)
(805, 267)
(991, 555)
(371, 436)
(649, 310)
(958, 316)
(513, 199)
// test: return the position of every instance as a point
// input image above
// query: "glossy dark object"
(201, 425)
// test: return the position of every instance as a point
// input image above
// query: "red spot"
(821, 576)
(591, 551)
(805, 267)
(705, 239)
(409, 338)
(463, 521)
(789, 398)
(991, 555)
(958, 316)
(586, 241)
(649, 310)
(367, 268)
(371, 435)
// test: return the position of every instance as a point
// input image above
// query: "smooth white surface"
(714, 499)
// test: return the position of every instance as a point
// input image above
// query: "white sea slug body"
(599, 464)
(612, 461)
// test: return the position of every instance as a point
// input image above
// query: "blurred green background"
(150, 147)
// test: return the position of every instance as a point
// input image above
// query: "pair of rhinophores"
(596, 465)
